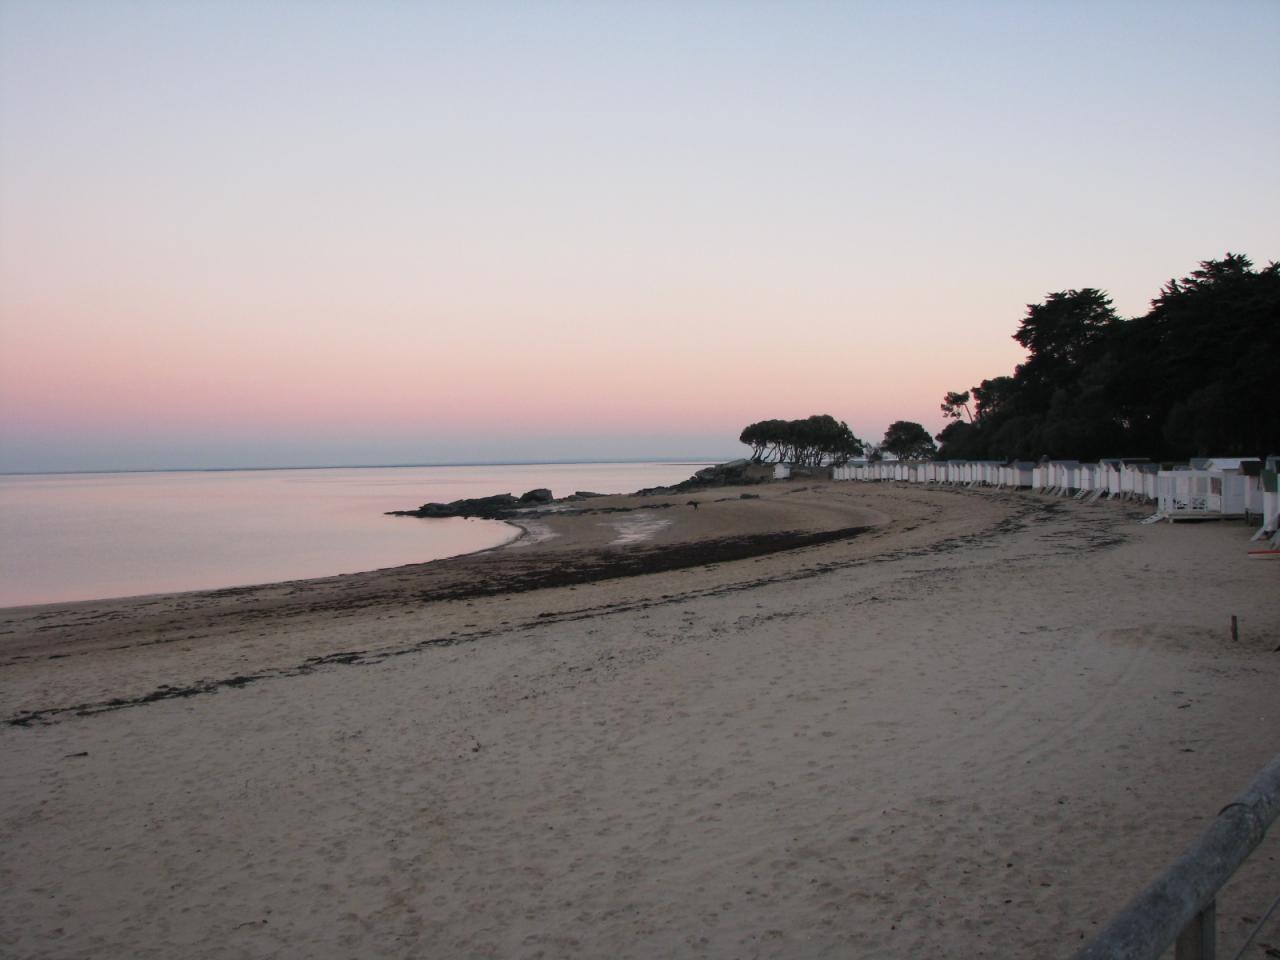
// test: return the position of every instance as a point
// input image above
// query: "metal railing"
(1180, 907)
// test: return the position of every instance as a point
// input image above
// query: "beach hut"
(1082, 482)
(1178, 492)
(1130, 479)
(1111, 478)
(1071, 477)
(1270, 487)
(1053, 478)
(1091, 482)
(1241, 488)
(1062, 476)
(1021, 474)
(1150, 474)
(1190, 493)
(781, 471)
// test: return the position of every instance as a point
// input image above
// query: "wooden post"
(1235, 629)
(1198, 939)
(1178, 907)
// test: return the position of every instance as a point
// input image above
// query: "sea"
(89, 536)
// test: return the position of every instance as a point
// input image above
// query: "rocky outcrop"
(494, 508)
(731, 474)
(504, 505)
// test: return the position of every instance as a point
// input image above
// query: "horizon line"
(360, 466)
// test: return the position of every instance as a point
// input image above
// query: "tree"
(1061, 330)
(956, 402)
(805, 442)
(993, 396)
(908, 441)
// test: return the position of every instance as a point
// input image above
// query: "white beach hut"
(1072, 472)
(1150, 474)
(1270, 485)
(1184, 494)
(1062, 476)
(1110, 478)
(1021, 474)
(1092, 482)
(1241, 490)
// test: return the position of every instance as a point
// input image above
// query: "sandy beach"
(828, 720)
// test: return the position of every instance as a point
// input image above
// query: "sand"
(944, 723)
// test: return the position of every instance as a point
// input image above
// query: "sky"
(285, 233)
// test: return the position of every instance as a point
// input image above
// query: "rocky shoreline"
(503, 506)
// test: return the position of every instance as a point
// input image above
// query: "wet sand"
(837, 719)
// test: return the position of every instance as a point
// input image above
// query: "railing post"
(1177, 908)
(1198, 939)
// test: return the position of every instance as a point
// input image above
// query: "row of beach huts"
(1211, 488)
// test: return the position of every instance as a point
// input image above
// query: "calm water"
(88, 536)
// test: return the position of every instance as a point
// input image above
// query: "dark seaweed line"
(587, 567)
(1018, 520)
(605, 567)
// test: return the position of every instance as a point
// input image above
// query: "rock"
(540, 495)
(732, 473)
(491, 507)
(586, 494)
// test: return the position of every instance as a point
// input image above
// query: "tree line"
(1194, 376)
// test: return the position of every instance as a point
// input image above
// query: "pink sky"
(235, 235)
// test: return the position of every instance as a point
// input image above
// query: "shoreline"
(71, 539)
(192, 639)
(972, 728)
